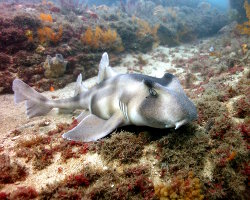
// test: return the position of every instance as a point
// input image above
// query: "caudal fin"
(36, 104)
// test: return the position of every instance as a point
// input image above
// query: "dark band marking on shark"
(164, 81)
(117, 100)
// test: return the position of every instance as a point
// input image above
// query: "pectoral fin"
(92, 128)
(83, 114)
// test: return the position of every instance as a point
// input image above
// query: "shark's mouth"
(180, 123)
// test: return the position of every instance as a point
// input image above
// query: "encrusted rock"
(54, 67)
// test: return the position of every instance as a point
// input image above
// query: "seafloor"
(206, 159)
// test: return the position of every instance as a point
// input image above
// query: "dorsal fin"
(79, 87)
(105, 71)
(172, 83)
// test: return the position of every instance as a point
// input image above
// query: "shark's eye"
(152, 92)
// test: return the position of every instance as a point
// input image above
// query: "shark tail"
(35, 102)
(79, 88)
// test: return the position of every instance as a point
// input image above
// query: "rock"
(54, 67)
(40, 49)
(232, 55)
(166, 37)
(130, 39)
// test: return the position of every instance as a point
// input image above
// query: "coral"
(245, 27)
(181, 188)
(11, 172)
(54, 67)
(46, 17)
(124, 146)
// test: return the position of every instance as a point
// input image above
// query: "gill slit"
(124, 109)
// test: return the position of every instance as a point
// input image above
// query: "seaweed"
(181, 187)
(183, 150)
(41, 149)
(124, 146)
(4, 196)
(242, 107)
(132, 183)
(23, 193)
(43, 158)
(11, 172)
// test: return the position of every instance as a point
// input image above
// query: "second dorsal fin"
(105, 71)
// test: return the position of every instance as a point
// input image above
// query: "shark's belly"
(103, 106)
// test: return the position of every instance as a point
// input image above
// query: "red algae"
(23, 193)
(78, 180)
(34, 148)
(4, 196)
(11, 172)
(213, 81)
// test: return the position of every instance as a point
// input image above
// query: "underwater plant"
(46, 17)
(100, 38)
(72, 5)
(245, 27)
(145, 29)
(11, 172)
(46, 34)
(181, 188)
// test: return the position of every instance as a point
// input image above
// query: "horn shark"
(117, 100)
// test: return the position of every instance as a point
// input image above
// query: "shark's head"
(164, 104)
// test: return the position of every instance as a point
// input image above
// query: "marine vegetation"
(46, 34)
(99, 38)
(245, 27)
(181, 188)
(45, 45)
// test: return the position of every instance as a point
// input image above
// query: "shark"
(116, 100)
